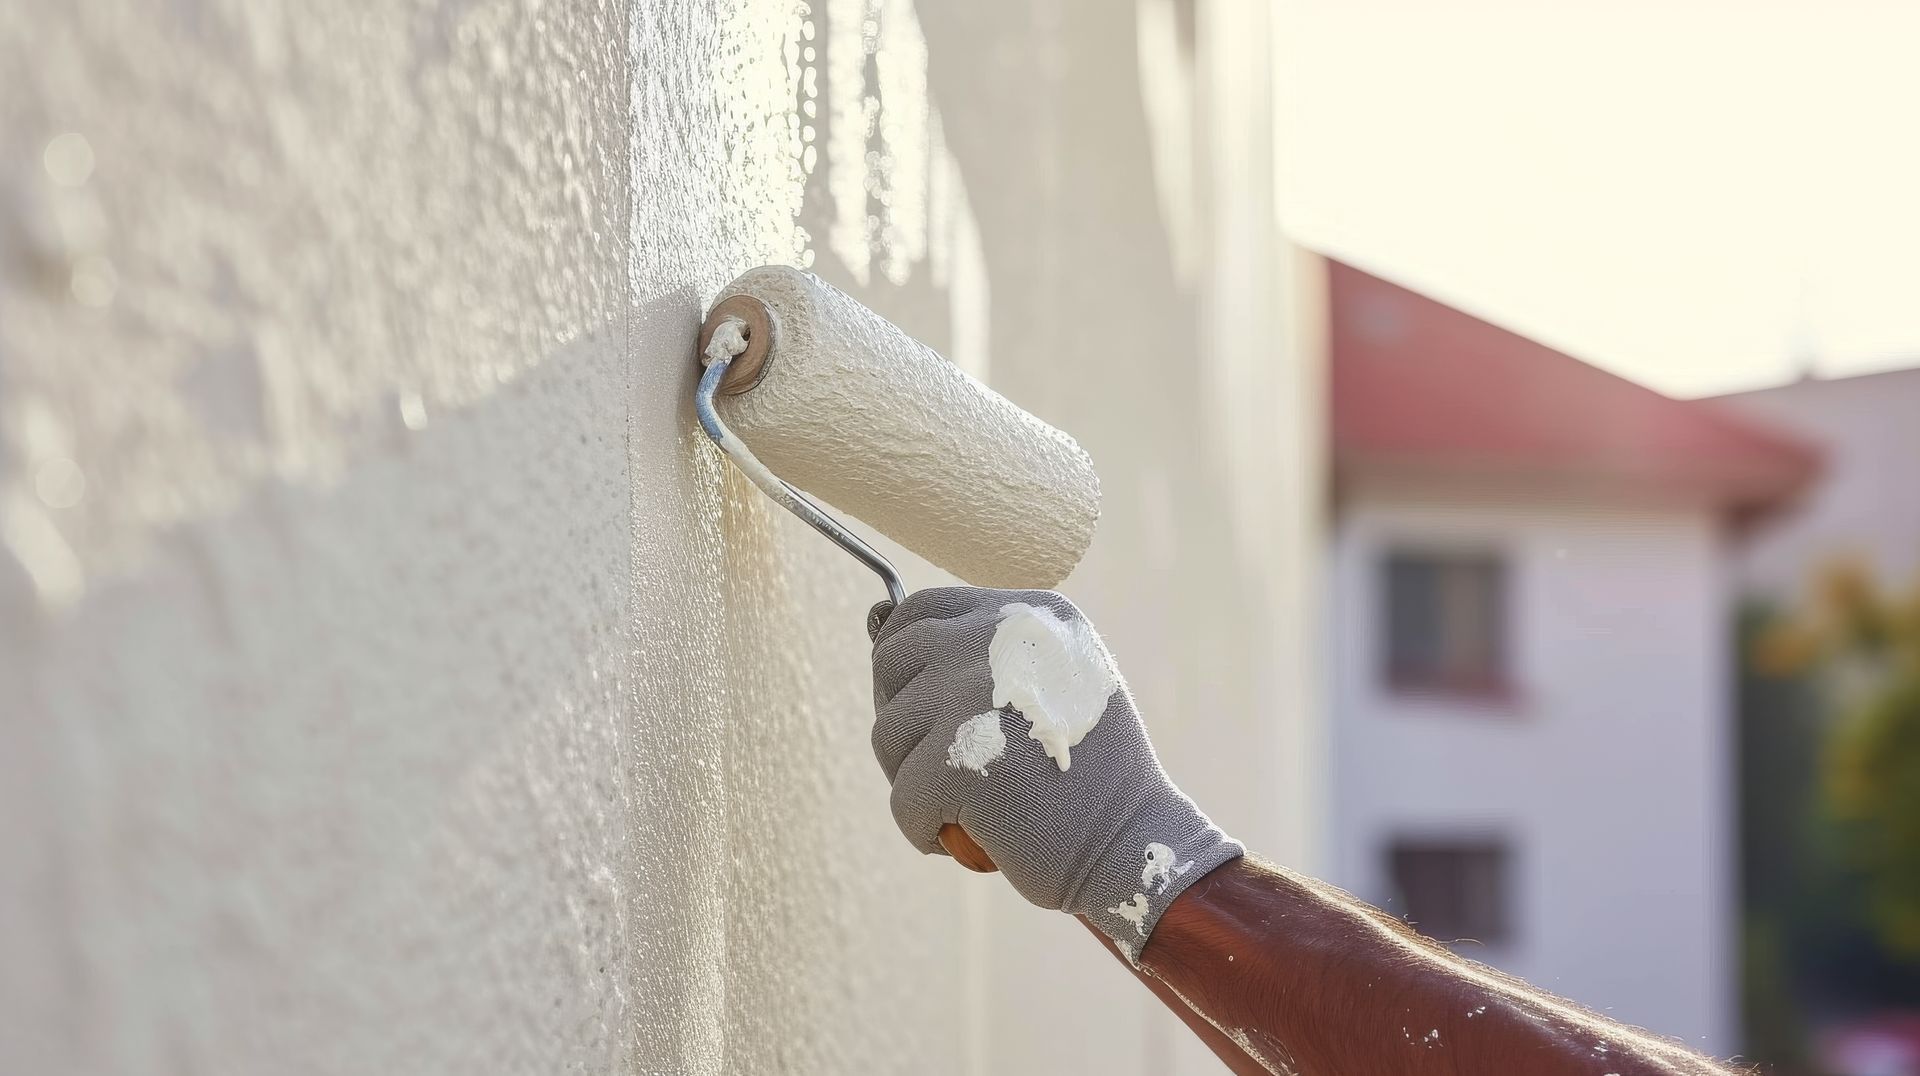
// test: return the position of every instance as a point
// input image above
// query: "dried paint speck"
(1161, 866)
(1133, 911)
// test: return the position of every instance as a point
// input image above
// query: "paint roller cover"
(857, 413)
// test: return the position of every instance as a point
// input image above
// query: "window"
(1446, 623)
(1453, 890)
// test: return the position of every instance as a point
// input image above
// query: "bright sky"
(1697, 194)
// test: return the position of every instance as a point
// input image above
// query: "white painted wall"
(392, 680)
(1610, 772)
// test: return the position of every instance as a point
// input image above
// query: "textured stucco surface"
(394, 682)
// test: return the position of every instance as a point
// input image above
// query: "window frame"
(1503, 923)
(1496, 683)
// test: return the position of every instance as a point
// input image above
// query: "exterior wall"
(1866, 503)
(1608, 772)
(395, 682)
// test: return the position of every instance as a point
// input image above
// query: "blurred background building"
(1625, 689)
(1867, 505)
(1707, 199)
(1532, 717)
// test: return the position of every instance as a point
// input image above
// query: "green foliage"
(1873, 787)
(1829, 740)
(1862, 643)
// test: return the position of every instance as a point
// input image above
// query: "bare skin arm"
(1279, 973)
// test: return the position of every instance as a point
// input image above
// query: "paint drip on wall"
(1054, 672)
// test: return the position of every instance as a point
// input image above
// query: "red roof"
(1420, 387)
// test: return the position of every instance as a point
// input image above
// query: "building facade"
(1867, 506)
(1530, 607)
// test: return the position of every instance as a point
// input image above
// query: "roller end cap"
(748, 367)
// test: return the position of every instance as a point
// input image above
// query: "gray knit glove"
(1001, 710)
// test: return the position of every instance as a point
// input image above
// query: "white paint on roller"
(1054, 671)
(977, 742)
(1161, 867)
(1133, 911)
(858, 414)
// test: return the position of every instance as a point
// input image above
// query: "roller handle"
(742, 374)
(736, 373)
(964, 851)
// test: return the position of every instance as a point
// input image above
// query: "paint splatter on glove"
(1001, 710)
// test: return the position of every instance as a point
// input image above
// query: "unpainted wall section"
(394, 681)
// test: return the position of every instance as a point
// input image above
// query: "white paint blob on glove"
(1162, 865)
(1134, 911)
(977, 742)
(1055, 672)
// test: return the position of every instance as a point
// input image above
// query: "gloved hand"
(1001, 710)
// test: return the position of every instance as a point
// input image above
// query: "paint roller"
(839, 404)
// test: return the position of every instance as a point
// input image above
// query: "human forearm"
(1229, 1051)
(1010, 741)
(1306, 979)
